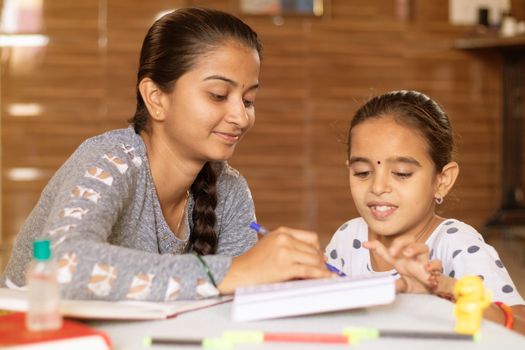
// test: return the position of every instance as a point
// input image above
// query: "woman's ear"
(152, 96)
(446, 179)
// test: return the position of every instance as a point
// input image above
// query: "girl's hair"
(172, 47)
(415, 110)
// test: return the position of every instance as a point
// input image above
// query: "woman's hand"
(281, 255)
(410, 259)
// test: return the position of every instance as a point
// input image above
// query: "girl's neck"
(419, 235)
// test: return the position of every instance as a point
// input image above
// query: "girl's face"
(392, 177)
(212, 106)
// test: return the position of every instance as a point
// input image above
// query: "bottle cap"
(41, 249)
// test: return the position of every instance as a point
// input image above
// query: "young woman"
(400, 164)
(153, 212)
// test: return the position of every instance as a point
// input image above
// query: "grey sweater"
(109, 236)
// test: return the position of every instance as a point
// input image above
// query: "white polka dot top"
(459, 246)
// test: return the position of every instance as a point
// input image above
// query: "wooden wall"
(316, 72)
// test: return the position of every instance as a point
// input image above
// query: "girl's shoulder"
(351, 230)
(452, 234)
(456, 229)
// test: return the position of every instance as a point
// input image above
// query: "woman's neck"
(172, 174)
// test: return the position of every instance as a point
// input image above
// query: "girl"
(400, 147)
(153, 212)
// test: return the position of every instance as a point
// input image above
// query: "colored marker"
(358, 334)
(229, 339)
(261, 230)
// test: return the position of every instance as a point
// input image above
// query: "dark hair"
(171, 48)
(414, 109)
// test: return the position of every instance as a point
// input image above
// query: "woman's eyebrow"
(229, 81)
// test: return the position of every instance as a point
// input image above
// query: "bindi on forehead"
(378, 162)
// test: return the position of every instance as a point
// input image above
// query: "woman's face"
(392, 176)
(212, 106)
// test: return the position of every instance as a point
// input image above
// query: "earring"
(439, 200)
(157, 113)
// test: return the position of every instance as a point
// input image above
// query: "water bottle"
(43, 311)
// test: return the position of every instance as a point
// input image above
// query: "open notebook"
(303, 297)
(15, 300)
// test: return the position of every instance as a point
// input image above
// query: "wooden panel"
(316, 72)
(64, 79)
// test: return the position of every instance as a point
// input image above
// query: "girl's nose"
(380, 182)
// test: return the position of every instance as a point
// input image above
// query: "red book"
(72, 335)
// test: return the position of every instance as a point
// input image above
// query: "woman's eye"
(248, 103)
(217, 97)
(403, 175)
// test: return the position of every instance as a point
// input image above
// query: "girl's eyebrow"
(408, 160)
(354, 160)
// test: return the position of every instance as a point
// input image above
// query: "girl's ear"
(446, 179)
(152, 96)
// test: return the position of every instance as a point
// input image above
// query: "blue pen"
(261, 230)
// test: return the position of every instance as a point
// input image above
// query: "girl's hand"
(410, 259)
(281, 255)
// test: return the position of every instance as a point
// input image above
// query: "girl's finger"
(400, 244)
(378, 248)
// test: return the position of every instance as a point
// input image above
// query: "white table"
(408, 312)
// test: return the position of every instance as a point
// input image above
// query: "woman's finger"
(308, 237)
(283, 238)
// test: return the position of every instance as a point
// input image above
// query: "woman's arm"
(281, 255)
(99, 214)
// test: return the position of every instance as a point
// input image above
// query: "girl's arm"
(419, 275)
(443, 286)
(411, 261)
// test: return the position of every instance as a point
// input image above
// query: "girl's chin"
(383, 230)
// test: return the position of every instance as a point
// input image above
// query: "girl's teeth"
(383, 208)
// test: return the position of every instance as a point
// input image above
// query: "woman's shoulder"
(124, 138)
(228, 176)
(124, 145)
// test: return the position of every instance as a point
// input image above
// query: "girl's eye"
(403, 175)
(217, 97)
(362, 174)
(248, 103)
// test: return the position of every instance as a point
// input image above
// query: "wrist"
(507, 311)
(232, 279)
(443, 287)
